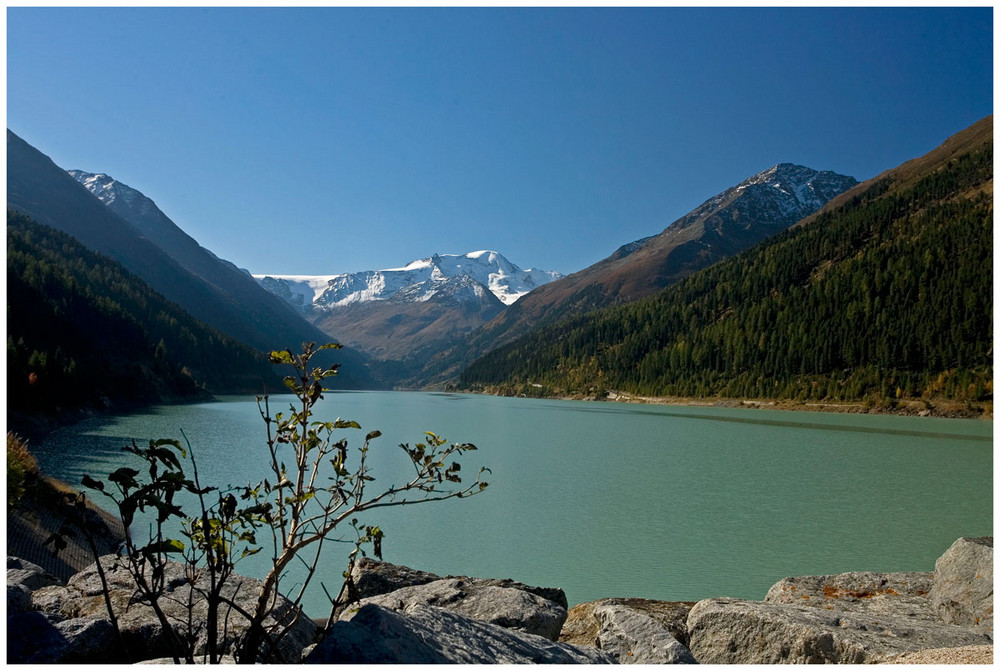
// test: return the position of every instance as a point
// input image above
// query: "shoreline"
(939, 408)
(907, 408)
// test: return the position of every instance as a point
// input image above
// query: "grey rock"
(553, 594)
(634, 638)
(372, 578)
(225, 659)
(429, 635)
(582, 626)
(508, 608)
(30, 638)
(963, 584)
(734, 631)
(42, 638)
(895, 594)
(142, 632)
(56, 599)
(18, 599)
(89, 640)
(32, 576)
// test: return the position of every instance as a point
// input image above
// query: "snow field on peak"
(417, 281)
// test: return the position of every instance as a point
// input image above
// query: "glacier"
(417, 281)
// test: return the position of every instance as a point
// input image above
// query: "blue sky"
(327, 140)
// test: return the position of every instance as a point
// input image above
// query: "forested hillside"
(887, 296)
(82, 331)
(211, 290)
(739, 217)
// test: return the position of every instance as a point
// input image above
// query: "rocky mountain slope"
(743, 215)
(259, 318)
(882, 299)
(211, 290)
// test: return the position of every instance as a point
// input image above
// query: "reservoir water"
(604, 499)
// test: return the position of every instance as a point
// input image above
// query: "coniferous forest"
(886, 297)
(82, 331)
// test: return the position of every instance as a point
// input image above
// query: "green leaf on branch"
(124, 477)
(170, 545)
(282, 356)
(172, 442)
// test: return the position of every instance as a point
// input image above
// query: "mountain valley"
(130, 229)
(482, 319)
(756, 208)
(883, 296)
(407, 315)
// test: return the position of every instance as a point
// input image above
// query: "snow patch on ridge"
(784, 190)
(417, 281)
(109, 190)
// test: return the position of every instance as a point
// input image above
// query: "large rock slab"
(23, 572)
(634, 638)
(508, 608)
(903, 593)
(429, 635)
(30, 636)
(42, 638)
(373, 578)
(963, 584)
(142, 633)
(735, 631)
(582, 626)
(18, 599)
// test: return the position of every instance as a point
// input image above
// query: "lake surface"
(604, 499)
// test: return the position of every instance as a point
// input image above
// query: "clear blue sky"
(326, 140)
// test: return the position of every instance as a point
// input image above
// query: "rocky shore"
(409, 616)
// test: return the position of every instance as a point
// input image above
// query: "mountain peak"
(783, 193)
(113, 193)
(417, 281)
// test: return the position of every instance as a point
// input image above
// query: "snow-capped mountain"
(758, 207)
(402, 317)
(110, 190)
(783, 193)
(211, 288)
(476, 273)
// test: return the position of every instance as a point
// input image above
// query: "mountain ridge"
(134, 232)
(402, 316)
(884, 298)
(86, 334)
(758, 207)
(505, 280)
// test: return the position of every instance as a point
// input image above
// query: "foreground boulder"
(31, 576)
(634, 631)
(735, 631)
(634, 638)
(963, 584)
(508, 608)
(75, 606)
(428, 635)
(861, 591)
(373, 578)
(855, 618)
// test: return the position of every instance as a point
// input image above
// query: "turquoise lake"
(616, 500)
